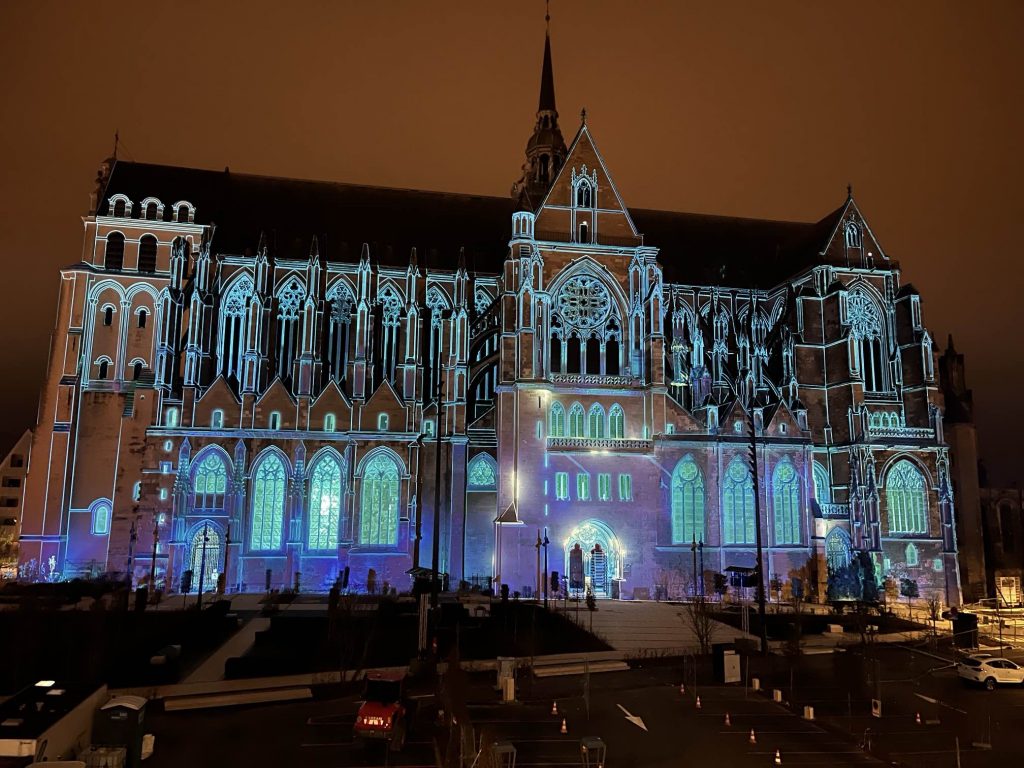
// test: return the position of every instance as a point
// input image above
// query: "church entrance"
(601, 555)
(214, 557)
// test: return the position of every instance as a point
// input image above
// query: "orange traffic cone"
(565, 728)
(698, 702)
(554, 707)
(917, 718)
(728, 722)
(753, 736)
(778, 758)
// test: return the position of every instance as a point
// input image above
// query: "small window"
(583, 486)
(147, 254)
(604, 487)
(329, 422)
(104, 369)
(166, 467)
(737, 426)
(217, 419)
(137, 370)
(625, 487)
(540, 430)
(101, 518)
(113, 257)
(912, 558)
(183, 213)
(428, 427)
(171, 417)
(275, 420)
(782, 429)
(168, 446)
(151, 211)
(143, 316)
(561, 485)
(937, 564)
(108, 315)
(137, 491)
(584, 232)
(163, 494)
(670, 429)
(119, 209)
(382, 422)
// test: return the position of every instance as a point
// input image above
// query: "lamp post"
(693, 554)
(133, 536)
(224, 570)
(152, 562)
(202, 565)
(700, 549)
(546, 575)
(538, 546)
(759, 562)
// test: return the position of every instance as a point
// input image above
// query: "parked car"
(384, 714)
(990, 671)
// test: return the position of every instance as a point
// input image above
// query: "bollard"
(755, 684)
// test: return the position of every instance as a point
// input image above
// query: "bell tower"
(545, 151)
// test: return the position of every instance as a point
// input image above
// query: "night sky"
(750, 109)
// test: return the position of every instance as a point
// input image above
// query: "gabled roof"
(698, 249)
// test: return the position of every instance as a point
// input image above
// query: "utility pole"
(693, 553)
(152, 562)
(547, 575)
(757, 533)
(538, 546)
(435, 586)
(700, 549)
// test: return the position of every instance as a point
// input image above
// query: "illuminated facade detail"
(206, 554)
(607, 363)
(687, 502)
(837, 549)
(100, 513)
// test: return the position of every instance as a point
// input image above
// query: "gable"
(331, 400)
(276, 398)
(837, 248)
(384, 400)
(218, 396)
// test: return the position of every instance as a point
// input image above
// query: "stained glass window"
(837, 549)
(583, 486)
(325, 495)
(595, 421)
(687, 502)
(912, 555)
(822, 486)
(616, 423)
(738, 503)
(625, 487)
(583, 302)
(576, 418)
(557, 420)
(101, 517)
(906, 499)
(268, 495)
(561, 485)
(209, 484)
(786, 503)
(604, 487)
(481, 473)
(378, 518)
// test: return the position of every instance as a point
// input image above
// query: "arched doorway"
(214, 556)
(602, 555)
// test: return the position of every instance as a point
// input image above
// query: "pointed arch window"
(906, 499)
(113, 257)
(913, 557)
(268, 496)
(738, 503)
(289, 302)
(217, 419)
(325, 496)
(556, 420)
(584, 194)
(854, 235)
(147, 254)
(616, 423)
(866, 339)
(482, 473)
(786, 503)
(687, 502)
(837, 550)
(232, 327)
(209, 485)
(576, 419)
(822, 485)
(378, 507)
(595, 421)
(341, 301)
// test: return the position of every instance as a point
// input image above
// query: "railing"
(916, 433)
(841, 511)
(599, 444)
(593, 380)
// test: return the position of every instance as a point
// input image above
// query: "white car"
(990, 671)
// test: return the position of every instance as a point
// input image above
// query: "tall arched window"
(378, 508)
(822, 485)
(616, 423)
(342, 302)
(269, 481)
(143, 316)
(738, 503)
(289, 301)
(232, 327)
(595, 421)
(906, 499)
(108, 315)
(866, 337)
(576, 419)
(837, 549)
(556, 420)
(151, 211)
(913, 558)
(687, 502)
(147, 254)
(137, 370)
(119, 208)
(101, 517)
(325, 494)
(104, 369)
(113, 257)
(482, 473)
(786, 503)
(209, 484)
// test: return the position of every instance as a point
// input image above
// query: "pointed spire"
(547, 77)
(849, 191)
(261, 248)
(314, 250)
(413, 258)
(462, 258)
(950, 349)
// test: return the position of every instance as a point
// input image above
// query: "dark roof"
(695, 248)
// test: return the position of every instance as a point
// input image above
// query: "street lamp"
(202, 564)
(152, 562)
(546, 576)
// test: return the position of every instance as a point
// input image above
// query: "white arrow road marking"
(637, 721)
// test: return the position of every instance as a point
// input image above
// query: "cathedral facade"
(281, 382)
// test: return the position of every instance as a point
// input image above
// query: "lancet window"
(738, 503)
(786, 503)
(325, 498)
(906, 499)
(232, 323)
(866, 341)
(341, 303)
(378, 518)
(687, 502)
(585, 329)
(269, 484)
(209, 485)
(289, 302)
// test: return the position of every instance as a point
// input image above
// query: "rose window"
(584, 302)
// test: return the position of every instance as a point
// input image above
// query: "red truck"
(383, 715)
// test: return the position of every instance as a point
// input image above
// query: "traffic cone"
(728, 722)
(778, 758)
(554, 707)
(698, 702)
(917, 718)
(753, 736)
(565, 728)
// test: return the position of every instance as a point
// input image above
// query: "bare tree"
(934, 604)
(697, 616)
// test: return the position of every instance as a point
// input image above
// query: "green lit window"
(738, 503)
(583, 486)
(482, 476)
(576, 419)
(557, 420)
(604, 487)
(616, 423)
(595, 421)
(268, 494)
(786, 503)
(913, 558)
(378, 509)
(822, 486)
(101, 517)
(562, 485)
(625, 487)
(209, 484)
(906, 499)
(687, 502)
(325, 493)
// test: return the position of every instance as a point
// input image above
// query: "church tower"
(545, 151)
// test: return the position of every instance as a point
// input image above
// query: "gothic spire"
(547, 77)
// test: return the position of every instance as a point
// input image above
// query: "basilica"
(261, 382)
